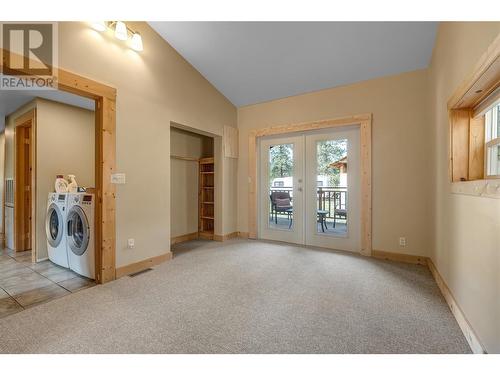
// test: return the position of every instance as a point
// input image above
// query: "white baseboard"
(468, 331)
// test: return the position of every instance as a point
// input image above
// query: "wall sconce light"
(121, 32)
(136, 42)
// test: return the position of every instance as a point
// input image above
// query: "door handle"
(299, 189)
(69, 228)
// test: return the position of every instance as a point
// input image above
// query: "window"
(492, 140)
(474, 119)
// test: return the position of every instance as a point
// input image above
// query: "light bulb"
(98, 25)
(121, 31)
(136, 42)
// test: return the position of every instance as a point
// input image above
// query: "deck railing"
(329, 198)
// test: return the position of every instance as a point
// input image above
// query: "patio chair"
(338, 213)
(280, 202)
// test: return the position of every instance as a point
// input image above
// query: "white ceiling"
(252, 62)
(10, 100)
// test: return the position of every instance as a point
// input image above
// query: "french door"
(310, 189)
(282, 189)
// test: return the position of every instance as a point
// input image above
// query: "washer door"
(78, 230)
(54, 225)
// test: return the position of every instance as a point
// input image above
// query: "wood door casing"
(23, 204)
(105, 162)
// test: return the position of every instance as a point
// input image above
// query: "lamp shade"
(136, 42)
(121, 31)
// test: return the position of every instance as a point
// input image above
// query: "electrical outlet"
(402, 241)
(130, 243)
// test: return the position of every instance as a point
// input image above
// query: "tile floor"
(24, 284)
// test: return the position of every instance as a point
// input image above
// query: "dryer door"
(78, 230)
(54, 225)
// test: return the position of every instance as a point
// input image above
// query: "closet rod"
(183, 158)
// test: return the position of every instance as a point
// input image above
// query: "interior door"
(23, 204)
(333, 203)
(281, 189)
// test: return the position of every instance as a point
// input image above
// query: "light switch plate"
(118, 178)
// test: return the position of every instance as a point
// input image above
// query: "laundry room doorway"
(103, 99)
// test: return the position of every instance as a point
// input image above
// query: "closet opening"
(193, 189)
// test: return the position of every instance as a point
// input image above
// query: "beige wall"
(402, 176)
(65, 145)
(184, 177)
(154, 88)
(467, 246)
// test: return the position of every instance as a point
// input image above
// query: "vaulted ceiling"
(252, 62)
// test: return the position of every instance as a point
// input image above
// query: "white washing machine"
(55, 223)
(80, 233)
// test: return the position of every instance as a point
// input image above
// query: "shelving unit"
(206, 198)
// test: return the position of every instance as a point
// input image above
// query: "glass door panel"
(333, 193)
(281, 175)
(280, 185)
(331, 187)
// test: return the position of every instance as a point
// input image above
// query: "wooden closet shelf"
(206, 212)
(207, 161)
(183, 158)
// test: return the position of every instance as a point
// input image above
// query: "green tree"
(329, 152)
(281, 160)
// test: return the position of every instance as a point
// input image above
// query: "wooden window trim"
(105, 164)
(365, 123)
(467, 151)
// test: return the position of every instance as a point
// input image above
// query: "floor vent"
(140, 272)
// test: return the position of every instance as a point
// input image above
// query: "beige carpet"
(247, 297)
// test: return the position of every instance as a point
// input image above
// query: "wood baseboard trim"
(398, 257)
(244, 235)
(184, 238)
(206, 236)
(142, 265)
(218, 237)
(467, 330)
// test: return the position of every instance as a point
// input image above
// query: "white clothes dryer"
(80, 233)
